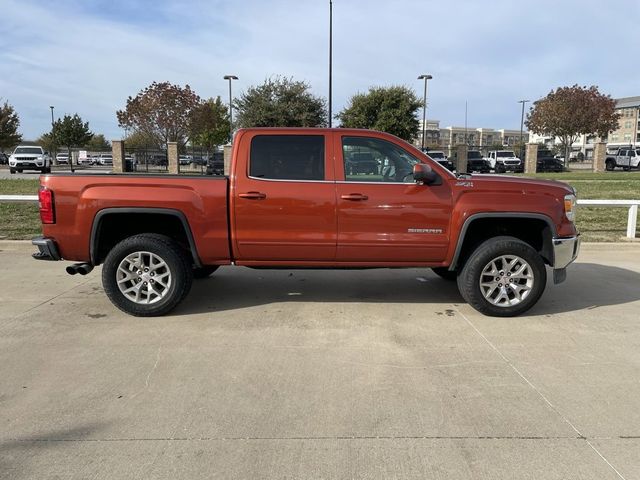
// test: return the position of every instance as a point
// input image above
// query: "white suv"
(504, 160)
(29, 157)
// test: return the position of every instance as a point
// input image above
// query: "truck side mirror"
(425, 174)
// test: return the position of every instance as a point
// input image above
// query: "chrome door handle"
(253, 195)
(355, 197)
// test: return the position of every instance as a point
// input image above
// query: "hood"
(510, 183)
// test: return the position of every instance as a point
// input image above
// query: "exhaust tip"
(81, 268)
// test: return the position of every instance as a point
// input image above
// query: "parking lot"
(320, 374)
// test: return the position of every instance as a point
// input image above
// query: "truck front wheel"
(503, 277)
(610, 165)
(147, 275)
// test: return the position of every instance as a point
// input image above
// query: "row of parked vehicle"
(499, 161)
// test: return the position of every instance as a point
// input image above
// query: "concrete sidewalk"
(320, 374)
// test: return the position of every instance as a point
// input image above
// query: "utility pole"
(424, 107)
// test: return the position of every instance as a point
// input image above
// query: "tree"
(210, 124)
(9, 123)
(388, 109)
(46, 142)
(161, 110)
(280, 102)
(139, 140)
(98, 143)
(569, 112)
(72, 132)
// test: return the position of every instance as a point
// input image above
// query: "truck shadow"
(588, 286)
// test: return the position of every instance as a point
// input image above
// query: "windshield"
(474, 155)
(31, 150)
(504, 154)
(436, 155)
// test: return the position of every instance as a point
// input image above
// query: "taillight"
(45, 198)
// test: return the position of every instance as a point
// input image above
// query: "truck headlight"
(570, 207)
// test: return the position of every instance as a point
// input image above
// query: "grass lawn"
(21, 220)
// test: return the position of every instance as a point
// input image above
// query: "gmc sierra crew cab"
(292, 199)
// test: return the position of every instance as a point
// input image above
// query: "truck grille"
(26, 159)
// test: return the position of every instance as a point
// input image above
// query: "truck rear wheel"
(503, 277)
(147, 275)
(610, 165)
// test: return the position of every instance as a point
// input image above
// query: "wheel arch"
(137, 220)
(535, 229)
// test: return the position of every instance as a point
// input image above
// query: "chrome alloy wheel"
(143, 277)
(506, 281)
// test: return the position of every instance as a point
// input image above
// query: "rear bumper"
(47, 249)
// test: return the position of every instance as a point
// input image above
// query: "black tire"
(46, 170)
(178, 264)
(19, 170)
(493, 249)
(12, 171)
(203, 272)
(501, 169)
(445, 273)
(610, 165)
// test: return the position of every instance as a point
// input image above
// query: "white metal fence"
(632, 217)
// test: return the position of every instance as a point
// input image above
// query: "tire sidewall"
(164, 248)
(469, 279)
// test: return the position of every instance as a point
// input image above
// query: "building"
(628, 131)
(482, 138)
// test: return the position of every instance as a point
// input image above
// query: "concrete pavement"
(320, 374)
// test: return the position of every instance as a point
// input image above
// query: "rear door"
(385, 217)
(283, 198)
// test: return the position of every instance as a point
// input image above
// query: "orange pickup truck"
(311, 198)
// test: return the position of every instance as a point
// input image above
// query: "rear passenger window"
(287, 157)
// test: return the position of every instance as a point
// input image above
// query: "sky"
(88, 56)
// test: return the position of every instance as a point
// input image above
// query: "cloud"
(88, 56)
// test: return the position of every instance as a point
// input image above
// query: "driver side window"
(368, 159)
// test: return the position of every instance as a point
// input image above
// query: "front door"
(284, 203)
(383, 215)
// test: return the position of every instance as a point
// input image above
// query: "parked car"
(286, 203)
(442, 159)
(546, 162)
(62, 158)
(185, 159)
(4, 158)
(504, 161)
(105, 159)
(624, 157)
(29, 157)
(477, 163)
(215, 164)
(358, 163)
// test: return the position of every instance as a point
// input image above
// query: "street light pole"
(523, 102)
(330, 59)
(230, 78)
(424, 107)
(53, 133)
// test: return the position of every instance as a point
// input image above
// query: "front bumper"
(565, 251)
(47, 249)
